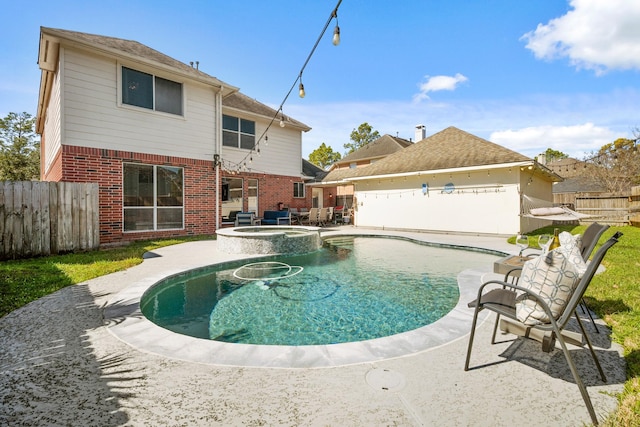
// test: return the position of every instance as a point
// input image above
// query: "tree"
(616, 166)
(324, 156)
(361, 137)
(552, 155)
(19, 151)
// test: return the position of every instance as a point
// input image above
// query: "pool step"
(335, 243)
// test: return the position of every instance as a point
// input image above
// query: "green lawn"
(614, 295)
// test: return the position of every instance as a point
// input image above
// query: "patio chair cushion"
(553, 277)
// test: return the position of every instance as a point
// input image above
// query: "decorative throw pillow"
(546, 211)
(553, 277)
(570, 241)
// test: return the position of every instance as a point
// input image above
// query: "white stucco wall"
(483, 202)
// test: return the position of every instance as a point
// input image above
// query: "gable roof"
(313, 171)
(381, 147)
(50, 39)
(579, 184)
(450, 148)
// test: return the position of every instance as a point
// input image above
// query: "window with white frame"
(238, 133)
(152, 92)
(298, 189)
(152, 197)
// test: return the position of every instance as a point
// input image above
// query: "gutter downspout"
(217, 153)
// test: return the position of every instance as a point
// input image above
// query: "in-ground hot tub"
(269, 240)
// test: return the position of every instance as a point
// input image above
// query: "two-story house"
(172, 148)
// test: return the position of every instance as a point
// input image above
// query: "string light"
(298, 80)
(336, 30)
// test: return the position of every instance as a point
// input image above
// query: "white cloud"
(437, 83)
(575, 140)
(575, 125)
(596, 35)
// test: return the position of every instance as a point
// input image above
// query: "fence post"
(634, 206)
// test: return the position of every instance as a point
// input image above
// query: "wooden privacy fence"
(43, 218)
(634, 207)
(605, 208)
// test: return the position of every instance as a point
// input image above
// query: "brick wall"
(55, 170)
(273, 189)
(83, 164)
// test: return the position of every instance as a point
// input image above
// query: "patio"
(62, 366)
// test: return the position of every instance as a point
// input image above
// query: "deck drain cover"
(385, 379)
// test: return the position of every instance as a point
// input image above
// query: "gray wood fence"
(605, 208)
(43, 218)
(634, 207)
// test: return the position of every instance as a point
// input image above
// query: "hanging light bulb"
(282, 121)
(266, 140)
(336, 35)
(301, 90)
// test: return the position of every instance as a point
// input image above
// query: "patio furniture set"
(538, 298)
(315, 216)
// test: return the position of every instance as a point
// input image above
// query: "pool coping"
(123, 319)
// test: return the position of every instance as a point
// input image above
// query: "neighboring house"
(451, 181)
(334, 183)
(579, 180)
(173, 149)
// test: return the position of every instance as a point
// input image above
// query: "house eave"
(50, 37)
(442, 171)
(269, 119)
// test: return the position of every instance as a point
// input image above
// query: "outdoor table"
(299, 216)
(508, 263)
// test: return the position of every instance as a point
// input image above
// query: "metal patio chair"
(589, 241)
(501, 299)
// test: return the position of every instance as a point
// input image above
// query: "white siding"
(538, 188)
(476, 206)
(93, 118)
(282, 154)
(52, 123)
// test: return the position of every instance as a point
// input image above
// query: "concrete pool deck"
(62, 364)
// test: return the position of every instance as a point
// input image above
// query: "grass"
(23, 281)
(613, 295)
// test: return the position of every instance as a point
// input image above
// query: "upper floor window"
(238, 133)
(353, 165)
(152, 92)
(298, 189)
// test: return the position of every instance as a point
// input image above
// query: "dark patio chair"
(589, 241)
(502, 301)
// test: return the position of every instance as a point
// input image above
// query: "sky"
(528, 74)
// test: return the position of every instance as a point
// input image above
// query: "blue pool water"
(353, 289)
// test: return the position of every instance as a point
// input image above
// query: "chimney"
(421, 132)
(542, 159)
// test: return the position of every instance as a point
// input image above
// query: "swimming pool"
(354, 289)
